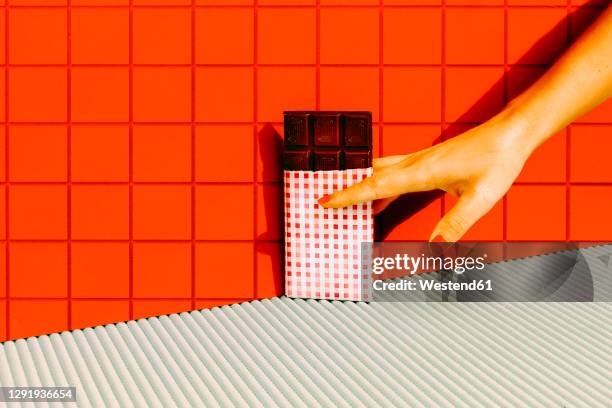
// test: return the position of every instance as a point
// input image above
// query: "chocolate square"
(327, 160)
(297, 129)
(357, 130)
(298, 160)
(357, 159)
(327, 130)
(323, 141)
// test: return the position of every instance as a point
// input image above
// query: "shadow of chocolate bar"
(323, 140)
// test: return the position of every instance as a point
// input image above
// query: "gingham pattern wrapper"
(323, 258)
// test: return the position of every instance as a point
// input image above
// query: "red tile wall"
(140, 171)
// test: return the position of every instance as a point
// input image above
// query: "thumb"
(469, 208)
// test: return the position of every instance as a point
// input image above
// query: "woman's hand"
(479, 166)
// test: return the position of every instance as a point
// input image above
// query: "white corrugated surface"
(318, 353)
(285, 352)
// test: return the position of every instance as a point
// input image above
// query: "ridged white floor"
(306, 353)
(284, 352)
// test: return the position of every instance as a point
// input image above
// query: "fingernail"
(324, 199)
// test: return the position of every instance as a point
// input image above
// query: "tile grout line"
(275, 65)
(6, 171)
(317, 54)
(68, 158)
(131, 158)
(193, 154)
(255, 244)
(505, 79)
(378, 226)
(301, 6)
(443, 90)
(568, 38)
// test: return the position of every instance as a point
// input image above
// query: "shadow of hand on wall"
(270, 229)
(517, 78)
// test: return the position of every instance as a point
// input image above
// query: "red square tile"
(100, 212)
(37, 35)
(412, 2)
(162, 2)
(38, 269)
(280, 89)
(269, 152)
(3, 92)
(3, 321)
(581, 18)
(539, 2)
(412, 36)
(473, 94)
(521, 78)
(590, 210)
(286, 36)
(99, 153)
(213, 270)
(488, 228)
(224, 94)
(2, 55)
(100, 94)
(548, 162)
(477, 2)
(152, 261)
(234, 26)
(158, 307)
(536, 213)
(215, 162)
(100, 270)
(162, 153)
(90, 313)
(405, 139)
(349, 2)
(38, 211)
(162, 212)
(3, 154)
(3, 212)
(270, 277)
(162, 94)
(37, 94)
(224, 2)
(350, 89)
(536, 35)
(37, 317)
(349, 35)
(590, 146)
(475, 36)
(269, 211)
(100, 2)
(99, 35)
(162, 35)
(418, 226)
(38, 153)
(2, 268)
(412, 94)
(600, 114)
(36, 2)
(224, 212)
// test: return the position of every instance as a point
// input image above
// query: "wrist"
(522, 132)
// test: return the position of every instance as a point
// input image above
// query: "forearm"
(579, 81)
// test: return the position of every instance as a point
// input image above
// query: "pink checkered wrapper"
(323, 247)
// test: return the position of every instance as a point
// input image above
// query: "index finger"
(389, 184)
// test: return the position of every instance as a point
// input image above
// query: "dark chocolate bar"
(320, 140)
